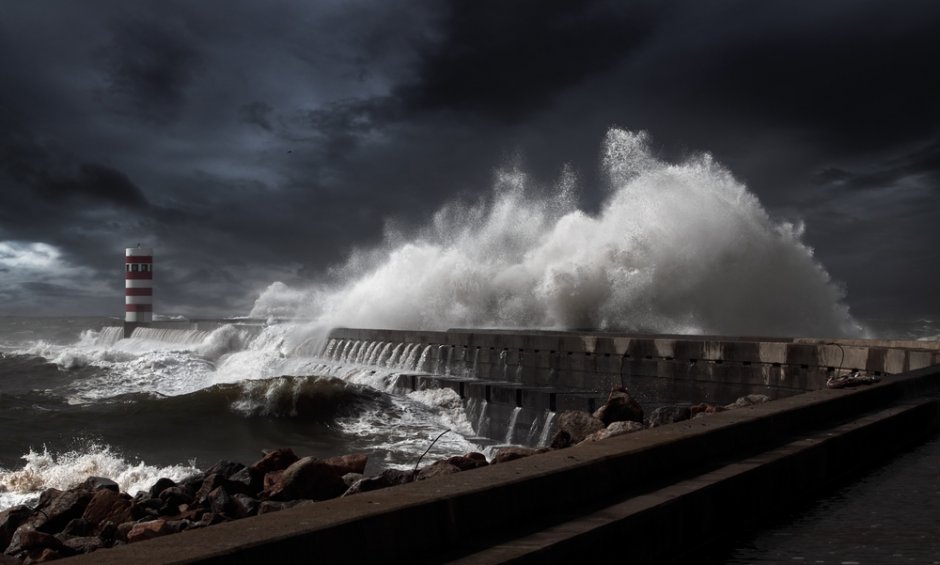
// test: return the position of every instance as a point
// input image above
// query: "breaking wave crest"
(43, 470)
(676, 248)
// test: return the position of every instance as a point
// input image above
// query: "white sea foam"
(44, 470)
(676, 247)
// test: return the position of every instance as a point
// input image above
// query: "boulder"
(224, 468)
(53, 513)
(620, 407)
(268, 506)
(11, 519)
(220, 501)
(175, 497)
(83, 544)
(388, 478)
(95, 483)
(505, 454)
(271, 479)
(148, 530)
(160, 486)
(353, 463)
(309, 478)
(560, 440)
(472, 460)
(107, 505)
(246, 505)
(437, 469)
(705, 408)
(614, 429)
(30, 543)
(578, 425)
(748, 400)
(246, 481)
(274, 460)
(668, 415)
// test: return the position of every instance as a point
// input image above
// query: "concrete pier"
(656, 495)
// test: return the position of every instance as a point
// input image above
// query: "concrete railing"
(667, 368)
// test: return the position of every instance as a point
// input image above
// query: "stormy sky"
(251, 142)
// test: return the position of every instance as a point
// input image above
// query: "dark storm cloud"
(149, 65)
(509, 59)
(257, 113)
(264, 142)
(921, 166)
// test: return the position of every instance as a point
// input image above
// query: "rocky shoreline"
(95, 514)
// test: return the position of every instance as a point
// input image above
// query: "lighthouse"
(138, 288)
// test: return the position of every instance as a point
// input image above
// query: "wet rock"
(468, 461)
(175, 497)
(246, 481)
(145, 508)
(388, 478)
(221, 502)
(11, 519)
(77, 528)
(95, 483)
(353, 463)
(212, 482)
(177, 526)
(560, 440)
(748, 400)
(614, 429)
(246, 505)
(308, 478)
(160, 486)
(44, 556)
(351, 478)
(437, 469)
(578, 425)
(108, 532)
(108, 505)
(274, 460)
(268, 506)
(620, 407)
(272, 479)
(668, 415)
(225, 468)
(56, 511)
(505, 454)
(29, 543)
(704, 408)
(192, 483)
(83, 544)
(148, 530)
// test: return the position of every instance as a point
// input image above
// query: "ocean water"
(77, 400)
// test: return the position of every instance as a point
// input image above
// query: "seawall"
(652, 496)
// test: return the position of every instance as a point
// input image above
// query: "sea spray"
(675, 247)
(43, 470)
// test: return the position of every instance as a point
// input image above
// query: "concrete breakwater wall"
(523, 366)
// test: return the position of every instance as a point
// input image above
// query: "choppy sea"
(78, 400)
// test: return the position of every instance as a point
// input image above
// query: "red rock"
(704, 408)
(28, 542)
(578, 424)
(505, 454)
(11, 519)
(472, 460)
(343, 464)
(620, 407)
(309, 478)
(275, 460)
(272, 479)
(148, 530)
(437, 469)
(60, 509)
(83, 544)
(107, 505)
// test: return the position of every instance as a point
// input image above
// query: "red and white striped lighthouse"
(138, 287)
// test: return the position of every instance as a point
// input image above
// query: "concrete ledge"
(421, 520)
